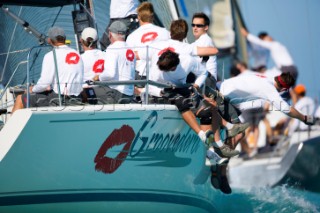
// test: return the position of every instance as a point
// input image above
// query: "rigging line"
(16, 51)
(198, 5)
(10, 44)
(89, 13)
(54, 21)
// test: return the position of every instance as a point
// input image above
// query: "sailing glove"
(309, 120)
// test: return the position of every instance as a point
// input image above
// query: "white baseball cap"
(89, 32)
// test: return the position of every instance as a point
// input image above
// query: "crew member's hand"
(30, 89)
(210, 101)
(96, 78)
(244, 32)
(309, 120)
(138, 90)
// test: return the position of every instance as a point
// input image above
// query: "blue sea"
(270, 200)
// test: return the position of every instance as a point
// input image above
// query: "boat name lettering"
(167, 142)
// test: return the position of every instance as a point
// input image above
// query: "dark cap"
(54, 32)
(118, 27)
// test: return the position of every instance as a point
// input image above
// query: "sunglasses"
(198, 25)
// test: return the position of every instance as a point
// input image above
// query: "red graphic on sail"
(124, 135)
(130, 55)
(72, 58)
(98, 66)
(149, 37)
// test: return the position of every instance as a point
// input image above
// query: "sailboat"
(110, 158)
(89, 157)
(293, 162)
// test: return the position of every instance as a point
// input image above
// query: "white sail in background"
(222, 30)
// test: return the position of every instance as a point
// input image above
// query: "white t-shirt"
(123, 8)
(279, 53)
(178, 77)
(93, 63)
(176, 46)
(317, 113)
(141, 37)
(188, 63)
(119, 65)
(70, 72)
(205, 41)
(271, 73)
(252, 88)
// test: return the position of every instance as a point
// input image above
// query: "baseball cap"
(300, 88)
(89, 32)
(118, 27)
(54, 32)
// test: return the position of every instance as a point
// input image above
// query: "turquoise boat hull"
(105, 158)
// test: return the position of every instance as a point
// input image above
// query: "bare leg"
(233, 142)
(244, 145)
(216, 123)
(17, 104)
(190, 119)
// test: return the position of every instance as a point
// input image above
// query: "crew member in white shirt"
(68, 68)
(304, 105)
(93, 62)
(165, 69)
(174, 68)
(121, 10)
(178, 30)
(118, 66)
(200, 25)
(248, 91)
(279, 53)
(146, 33)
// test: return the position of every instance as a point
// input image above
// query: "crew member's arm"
(110, 67)
(200, 72)
(207, 51)
(254, 39)
(307, 119)
(47, 74)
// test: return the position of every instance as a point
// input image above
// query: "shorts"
(253, 116)
(43, 99)
(107, 95)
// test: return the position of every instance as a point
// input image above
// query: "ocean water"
(270, 200)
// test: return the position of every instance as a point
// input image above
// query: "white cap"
(89, 32)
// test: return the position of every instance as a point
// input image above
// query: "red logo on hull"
(124, 135)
